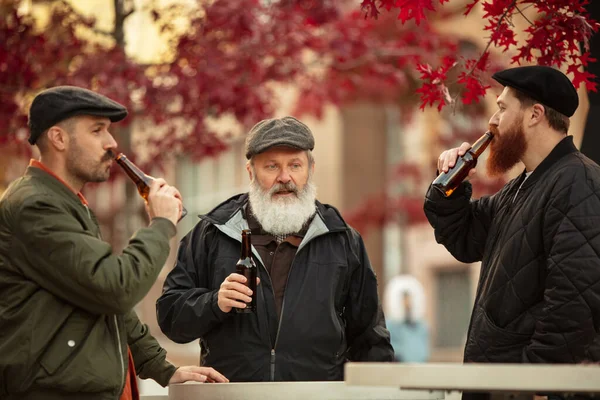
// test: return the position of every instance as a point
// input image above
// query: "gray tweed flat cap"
(56, 104)
(286, 131)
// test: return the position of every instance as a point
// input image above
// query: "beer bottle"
(141, 180)
(447, 182)
(246, 267)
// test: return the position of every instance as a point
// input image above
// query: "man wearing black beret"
(67, 325)
(538, 238)
(316, 304)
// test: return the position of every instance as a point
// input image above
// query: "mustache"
(110, 155)
(493, 129)
(279, 187)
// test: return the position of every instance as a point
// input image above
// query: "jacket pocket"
(66, 343)
(491, 343)
(506, 337)
(341, 350)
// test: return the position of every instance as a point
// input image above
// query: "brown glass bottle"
(447, 182)
(246, 267)
(141, 180)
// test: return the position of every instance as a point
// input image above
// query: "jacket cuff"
(464, 189)
(165, 374)
(219, 314)
(164, 225)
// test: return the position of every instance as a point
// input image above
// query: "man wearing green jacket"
(67, 325)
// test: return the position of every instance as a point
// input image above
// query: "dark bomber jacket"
(330, 311)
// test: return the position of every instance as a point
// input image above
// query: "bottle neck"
(246, 243)
(481, 144)
(131, 169)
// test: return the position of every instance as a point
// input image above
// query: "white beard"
(286, 215)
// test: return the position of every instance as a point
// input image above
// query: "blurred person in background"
(405, 312)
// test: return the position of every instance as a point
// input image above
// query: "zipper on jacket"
(279, 323)
(119, 347)
(272, 359)
(272, 364)
(120, 355)
(281, 314)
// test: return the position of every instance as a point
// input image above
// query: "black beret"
(56, 104)
(547, 85)
(286, 131)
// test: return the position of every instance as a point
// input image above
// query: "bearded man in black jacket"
(316, 303)
(538, 238)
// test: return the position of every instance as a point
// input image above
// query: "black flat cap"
(547, 85)
(56, 104)
(286, 131)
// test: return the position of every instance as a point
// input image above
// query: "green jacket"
(66, 300)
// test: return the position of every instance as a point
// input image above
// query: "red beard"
(506, 150)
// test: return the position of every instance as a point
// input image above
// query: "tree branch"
(503, 17)
(120, 16)
(102, 32)
(83, 17)
(521, 12)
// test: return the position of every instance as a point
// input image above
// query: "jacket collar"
(54, 182)
(563, 148)
(40, 165)
(228, 217)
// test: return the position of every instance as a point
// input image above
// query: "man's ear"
(537, 114)
(249, 169)
(57, 138)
